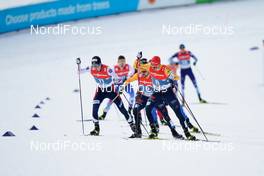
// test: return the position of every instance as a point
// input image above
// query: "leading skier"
(104, 77)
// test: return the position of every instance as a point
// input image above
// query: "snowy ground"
(33, 67)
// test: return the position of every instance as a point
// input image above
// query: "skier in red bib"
(104, 76)
(122, 71)
(184, 58)
(162, 79)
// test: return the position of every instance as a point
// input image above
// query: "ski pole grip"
(78, 61)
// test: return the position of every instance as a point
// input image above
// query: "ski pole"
(112, 101)
(127, 100)
(191, 113)
(144, 127)
(78, 62)
(200, 73)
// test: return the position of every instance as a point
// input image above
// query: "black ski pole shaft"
(144, 127)
(78, 62)
(127, 100)
(191, 113)
(112, 101)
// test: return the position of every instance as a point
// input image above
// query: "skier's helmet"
(143, 61)
(155, 61)
(182, 46)
(96, 61)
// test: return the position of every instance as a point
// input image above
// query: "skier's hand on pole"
(139, 55)
(78, 61)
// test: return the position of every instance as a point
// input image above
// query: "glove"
(139, 55)
(78, 61)
(194, 64)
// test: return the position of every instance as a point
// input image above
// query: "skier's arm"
(131, 79)
(112, 73)
(131, 71)
(194, 57)
(84, 70)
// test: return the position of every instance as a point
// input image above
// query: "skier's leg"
(187, 120)
(106, 109)
(150, 105)
(161, 117)
(139, 105)
(173, 102)
(97, 100)
(161, 106)
(154, 115)
(130, 91)
(183, 75)
(108, 106)
(120, 105)
(193, 79)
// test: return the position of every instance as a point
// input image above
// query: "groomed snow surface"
(33, 67)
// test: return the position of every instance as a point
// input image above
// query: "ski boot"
(157, 127)
(137, 134)
(163, 122)
(153, 133)
(132, 126)
(189, 136)
(102, 117)
(201, 100)
(96, 130)
(192, 128)
(175, 134)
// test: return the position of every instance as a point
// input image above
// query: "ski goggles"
(95, 65)
(143, 61)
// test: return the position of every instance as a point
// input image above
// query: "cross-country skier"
(184, 57)
(156, 113)
(162, 80)
(104, 76)
(144, 92)
(122, 71)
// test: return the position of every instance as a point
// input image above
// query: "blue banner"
(59, 11)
